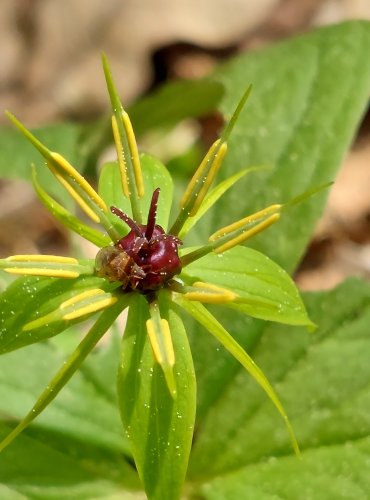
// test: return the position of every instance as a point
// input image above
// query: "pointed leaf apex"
(113, 94)
(46, 153)
(229, 127)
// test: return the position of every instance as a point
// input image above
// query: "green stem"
(196, 254)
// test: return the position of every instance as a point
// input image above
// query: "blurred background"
(50, 72)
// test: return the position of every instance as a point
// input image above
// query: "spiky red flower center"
(145, 259)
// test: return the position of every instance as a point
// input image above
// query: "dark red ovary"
(157, 258)
(145, 259)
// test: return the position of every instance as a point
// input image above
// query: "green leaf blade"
(67, 370)
(47, 469)
(323, 379)
(301, 121)
(28, 299)
(266, 291)
(160, 428)
(83, 413)
(205, 318)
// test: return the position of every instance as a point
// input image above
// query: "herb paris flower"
(144, 265)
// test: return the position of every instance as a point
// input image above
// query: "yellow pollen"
(82, 296)
(242, 222)
(210, 293)
(134, 154)
(79, 179)
(166, 336)
(199, 173)
(42, 258)
(248, 233)
(35, 271)
(75, 195)
(90, 308)
(121, 158)
(209, 178)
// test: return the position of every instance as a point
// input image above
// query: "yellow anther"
(134, 154)
(80, 180)
(209, 178)
(165, 335)
(121, 158)
(243, 222)
(90, 308)
(42, 258)
(210, 293)
(36, 271)
(82, 296)
(199, 173)
(75, 195)
(245, 235)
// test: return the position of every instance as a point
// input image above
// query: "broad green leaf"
(309, 94)
(48, 469)
(159, 427)
(27, 299)
(206, 319)
(175, 102)
(322, 378)
(68, 368)
(326, 473)
(155, 175)
(17, 155)
(83, 422)
(253, 277)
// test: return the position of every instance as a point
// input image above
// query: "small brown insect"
(115, 264)
(145, 259)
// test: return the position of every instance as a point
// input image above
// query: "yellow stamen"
(81, 181)
(121, 158)
(75, 195)
(42, 258)
(199, 173)
(209, 177)
(82, 296)
(166, 336)
(134, 154)
(248, 234)
(243, 222)
(35, 271)
(210, 293)
(90, 308)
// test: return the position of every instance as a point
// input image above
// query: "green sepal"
(213, 196)
(206, 319)
(123, 145)
(66, 218)
(159, 427)
(28, 299)
(265, 290)
(155, 175)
